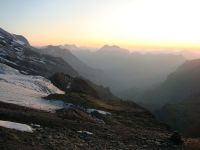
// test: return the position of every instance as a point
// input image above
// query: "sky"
(93, 23)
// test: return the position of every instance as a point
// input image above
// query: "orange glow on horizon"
(123, 44)
(127, 23)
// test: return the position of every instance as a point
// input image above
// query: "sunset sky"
(93, 23)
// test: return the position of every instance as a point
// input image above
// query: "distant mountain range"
(116, 66)
(66, 55)
(129, 70)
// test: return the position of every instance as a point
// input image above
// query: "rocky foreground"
(111, 125)
(91, 118)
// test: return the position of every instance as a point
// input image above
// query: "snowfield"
(26, 90)
(16, 126)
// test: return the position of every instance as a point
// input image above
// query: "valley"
(62, 109)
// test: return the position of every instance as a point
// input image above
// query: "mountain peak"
(71, 46)
(13, 38)
(114, 49)
(21, 40)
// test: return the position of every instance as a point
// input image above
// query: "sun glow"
(151, 23)
(128, 23)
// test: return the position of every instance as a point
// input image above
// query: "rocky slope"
(74, 128)
(84, 122)
(81, 85)
(16, 52)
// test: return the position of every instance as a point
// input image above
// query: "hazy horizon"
(131, 24)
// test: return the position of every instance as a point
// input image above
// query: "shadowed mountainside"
(66, 55)
(16, 52)
(81, 85)
(179, 85)
(176, 101)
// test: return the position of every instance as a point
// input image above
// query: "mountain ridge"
(114, 50)
(20, 55)
(66, 55)
(176, 101)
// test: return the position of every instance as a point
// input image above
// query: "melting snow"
(35, 125)
(27, 90)
(85, 132)
(99, 111)
(4, 69)
(69, 85)
(16, 126)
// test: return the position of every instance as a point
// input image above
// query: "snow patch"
(25, 97)
(69, 85)
(16, 126)
(35, 125)
(99, 111)
(4, 69)
(85, 132)
(26, 90)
